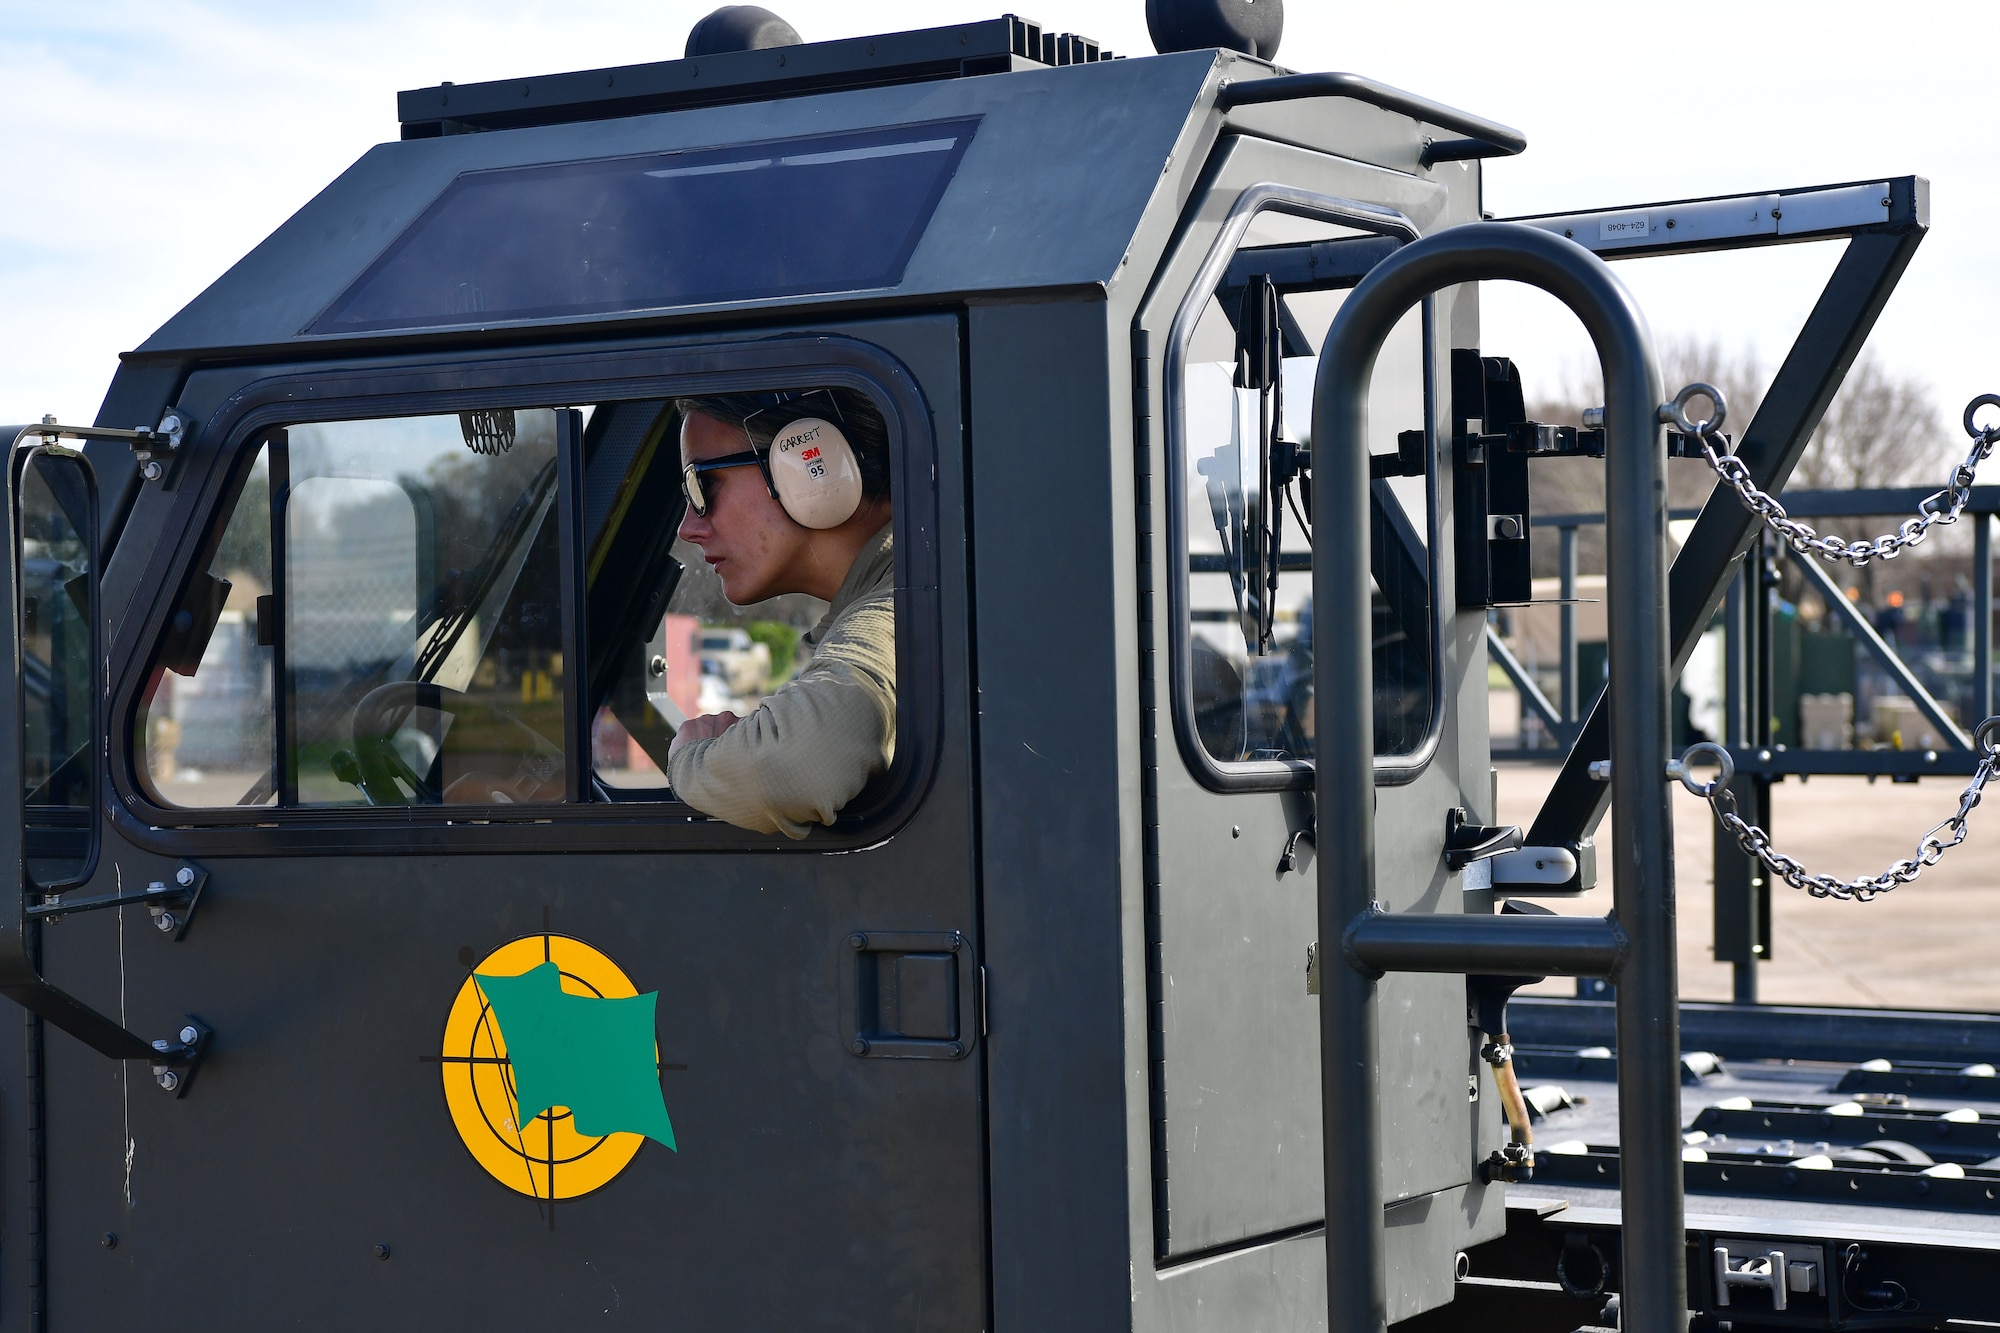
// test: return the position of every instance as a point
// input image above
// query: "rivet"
(957, 1049)
(381, 1251)
(109, 1240)
(1235, 830)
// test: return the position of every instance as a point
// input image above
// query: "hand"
(705, 727)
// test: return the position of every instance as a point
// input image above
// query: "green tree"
(782, 640)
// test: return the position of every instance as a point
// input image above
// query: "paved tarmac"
(1932, 944)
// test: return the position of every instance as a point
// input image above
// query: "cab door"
(1237, 1124)
(505, 1035)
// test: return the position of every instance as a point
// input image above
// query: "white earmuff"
(815, 473)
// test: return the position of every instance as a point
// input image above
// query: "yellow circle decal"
(548, 1157)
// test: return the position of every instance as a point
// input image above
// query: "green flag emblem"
(596, 1056)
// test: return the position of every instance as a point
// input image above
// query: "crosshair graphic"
(546, 1158)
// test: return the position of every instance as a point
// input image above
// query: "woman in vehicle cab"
(789, 493)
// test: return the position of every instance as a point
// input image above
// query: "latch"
(1466, 842)
(1781, 1269)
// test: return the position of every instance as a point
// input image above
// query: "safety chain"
(1943, 506)
(1756, 842)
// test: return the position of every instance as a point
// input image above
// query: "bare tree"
(1882, 429)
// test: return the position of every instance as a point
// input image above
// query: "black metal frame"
(1281, 775)
(1771, 446)
(466, 383)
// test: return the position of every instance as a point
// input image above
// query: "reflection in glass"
(1250, 706)
(422, 613)
(408, 649)
(57, 603)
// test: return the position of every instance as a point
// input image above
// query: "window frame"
(555, 379)
(1248, 775)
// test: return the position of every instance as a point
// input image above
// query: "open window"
(1240, 388)
(488, 609)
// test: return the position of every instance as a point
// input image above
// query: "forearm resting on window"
(809, 748)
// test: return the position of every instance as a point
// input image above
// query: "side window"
(1248, 641)
(409, 649)
(207, 722)
(381, 616)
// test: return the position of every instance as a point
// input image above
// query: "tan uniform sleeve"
(811, 746)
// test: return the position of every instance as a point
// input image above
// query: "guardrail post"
(1982, 616)
(1567, 618)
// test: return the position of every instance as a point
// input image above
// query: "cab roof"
(1029, 177)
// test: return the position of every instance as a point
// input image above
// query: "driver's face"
(745, 537)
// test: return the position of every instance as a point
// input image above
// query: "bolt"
(185, 877)
(109, 1240)
(166, 922)
(167, 1079)
(189, 1036)
(161, 1044)
(857, 941)
(157, 886)
(658, 666)
(859, 1046)
(381, 1251)
(1600, 770)
(152, 470)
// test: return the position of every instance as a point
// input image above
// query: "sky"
(146, 146)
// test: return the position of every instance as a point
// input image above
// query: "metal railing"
(1562, 716)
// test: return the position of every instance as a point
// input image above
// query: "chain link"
(1942, 506)
(1755, 842)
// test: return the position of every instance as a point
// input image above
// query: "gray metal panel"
(1050, 613)
(1048, 195)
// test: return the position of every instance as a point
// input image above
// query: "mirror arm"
(152, 446)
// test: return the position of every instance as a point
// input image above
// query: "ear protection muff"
(813, 472)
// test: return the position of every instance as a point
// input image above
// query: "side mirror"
(52, 751)
(55, 532)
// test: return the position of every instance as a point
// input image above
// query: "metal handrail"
(1484, 138)
(1654, 1295)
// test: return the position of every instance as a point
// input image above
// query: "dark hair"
(763, 415)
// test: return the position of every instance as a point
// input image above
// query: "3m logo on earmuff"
(814, 472)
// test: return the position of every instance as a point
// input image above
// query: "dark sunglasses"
(691, 473)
